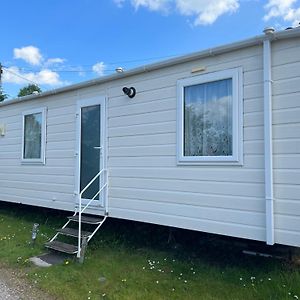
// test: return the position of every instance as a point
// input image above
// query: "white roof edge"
(285, 34)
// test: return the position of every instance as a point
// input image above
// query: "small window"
(209, 118)
(34, 129)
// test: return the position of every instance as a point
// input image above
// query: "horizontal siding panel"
(253, 119)
(37, 186)
(159, 116)
(286, 146)
(64, 145)
(250, 162)
(287, 207)
(156, 161)
(201, 173)
(286, 55)
(66, 128)
(162, 127)
(286, 222)
(188, 198)
(254, 133)
(253, 91)
(225, 228)
(253, 105)
(286, 101)
(287, 191)
(287, 176)
(63, 205)
(285, 71)
(288, 115)
(61, 136)
(143, 151)
(287, 237)
(228, 188)
(286, 131)
(41, 170)
(143, 108)
(61, 154)
(143, 140)
(287, 86)
(191, 211)
(286, 161)
(36, 178)
(142, 97)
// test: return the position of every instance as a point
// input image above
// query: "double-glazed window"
(34, 131)
(209, 118)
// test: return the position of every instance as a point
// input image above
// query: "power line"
(18, 75)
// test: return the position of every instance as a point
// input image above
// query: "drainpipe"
(267, 65)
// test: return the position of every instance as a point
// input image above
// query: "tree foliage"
(28, 90)
(3, 96)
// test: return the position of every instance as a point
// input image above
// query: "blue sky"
(60, 42)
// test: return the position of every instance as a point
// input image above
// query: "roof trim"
(257, 40)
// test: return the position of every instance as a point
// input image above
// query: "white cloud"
(285, 9)
(156, 5)
(99, 68)
(45, 76)
(30, 54)
(206, 11)
(57, 60)
(119, 3)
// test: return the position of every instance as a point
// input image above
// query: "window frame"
(35, 161)
(237, 118)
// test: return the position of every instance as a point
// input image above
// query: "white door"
(91, 148)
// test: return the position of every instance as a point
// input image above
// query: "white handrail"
(80, 210)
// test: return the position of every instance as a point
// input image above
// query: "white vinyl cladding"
(236, 120)
(145, 182)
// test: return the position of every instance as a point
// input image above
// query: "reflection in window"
(33, 136)
(208, 119)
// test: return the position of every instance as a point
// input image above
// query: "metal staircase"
(94, 222)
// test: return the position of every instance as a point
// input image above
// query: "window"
(34, 132)
(210, 118)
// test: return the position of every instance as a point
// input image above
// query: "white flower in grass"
(269, 279)
(252, 278)
(241, 278)
(157, 281)
(296, 297)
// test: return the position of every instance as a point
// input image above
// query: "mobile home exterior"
(210, 142)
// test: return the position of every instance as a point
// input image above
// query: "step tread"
(62, 247)
(86, 219)
(73, 232)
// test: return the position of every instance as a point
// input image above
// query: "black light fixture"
(130, 92)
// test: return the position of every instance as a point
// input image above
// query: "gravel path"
(14, 287)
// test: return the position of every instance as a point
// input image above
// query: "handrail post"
(79, 228)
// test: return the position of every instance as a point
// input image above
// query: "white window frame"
(237, 118)
(41, 160)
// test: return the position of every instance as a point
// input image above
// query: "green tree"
(28, 90)
(3, 96)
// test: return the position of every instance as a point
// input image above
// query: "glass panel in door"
(90, 149)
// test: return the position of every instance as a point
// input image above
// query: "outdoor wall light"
(130, 92)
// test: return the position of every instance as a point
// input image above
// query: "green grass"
(128, 260)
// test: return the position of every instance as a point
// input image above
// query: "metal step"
(87, 220)
(73, 232)
(62, 247)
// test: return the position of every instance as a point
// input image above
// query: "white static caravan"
(209, 142)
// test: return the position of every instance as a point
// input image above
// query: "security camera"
(130, 92)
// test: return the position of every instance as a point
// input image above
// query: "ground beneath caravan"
(14, 287)
(131, 261)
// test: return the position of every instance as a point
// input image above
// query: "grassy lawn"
(128, 260)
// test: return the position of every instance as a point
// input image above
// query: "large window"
(209, 118)
(34, 127)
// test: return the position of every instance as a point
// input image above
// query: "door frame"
(96, 100)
